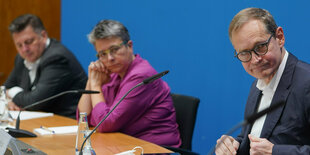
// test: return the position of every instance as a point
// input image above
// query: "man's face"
(115, 54)
(251, 34)
(29, 44)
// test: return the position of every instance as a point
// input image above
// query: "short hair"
(106, 29)
(21, 22)
(248, 14)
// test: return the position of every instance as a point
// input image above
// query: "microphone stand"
(145, 81)
(249, 120)
(81, 150)
(17, 132)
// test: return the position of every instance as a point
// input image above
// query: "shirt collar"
(48, 41)
(273, 84)
(31, 65)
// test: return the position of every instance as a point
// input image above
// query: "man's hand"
(226, 145)
(260, 146)
(13, 106)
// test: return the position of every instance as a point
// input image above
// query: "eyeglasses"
(259, 50)
(113, 50)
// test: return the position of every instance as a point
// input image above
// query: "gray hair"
(248, 14)
(108, 29)
(21, 22)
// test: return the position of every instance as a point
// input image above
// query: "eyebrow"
(112, 46)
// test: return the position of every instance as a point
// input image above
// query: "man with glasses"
(147, 112)
(281, 77)
(43, 68)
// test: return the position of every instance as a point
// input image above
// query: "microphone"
(23, 133)
(82, 91)
(145, 81)
(155, 77)
(248, 120)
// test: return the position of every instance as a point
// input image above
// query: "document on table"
(24, 115)
(56, 130)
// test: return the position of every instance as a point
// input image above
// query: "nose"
(24, 48)
(110, 57)
(255, 58)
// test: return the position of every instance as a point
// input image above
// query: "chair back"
(186, 110)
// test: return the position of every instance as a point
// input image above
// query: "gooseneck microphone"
(248, 120)
(254, 117)
(155, 77)
(23, 133)
(145, 81)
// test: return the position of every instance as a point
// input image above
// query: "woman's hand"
(98, 74)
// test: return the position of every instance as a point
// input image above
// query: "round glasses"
(259, 50)
(113, 50)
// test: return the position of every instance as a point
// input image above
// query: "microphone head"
(82, 91)
(164, 73)
(155, 77)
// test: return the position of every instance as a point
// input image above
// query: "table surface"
(103, 143)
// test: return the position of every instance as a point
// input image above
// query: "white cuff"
(14, 91)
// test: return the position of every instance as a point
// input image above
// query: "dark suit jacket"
(58, 71)
(288, 127)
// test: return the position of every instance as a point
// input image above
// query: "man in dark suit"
(43, 68)
(281, 77)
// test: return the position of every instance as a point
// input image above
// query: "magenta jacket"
(146, 113)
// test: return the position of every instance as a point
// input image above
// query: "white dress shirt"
(268, 90)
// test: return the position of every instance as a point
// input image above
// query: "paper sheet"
(57, 130)
(24, 115)
(3, 126)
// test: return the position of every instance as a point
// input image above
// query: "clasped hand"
(98, 74)
(227, 145)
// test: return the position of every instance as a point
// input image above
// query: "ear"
(44, 34)
(280, 36)
(130, 46)
(129, 43)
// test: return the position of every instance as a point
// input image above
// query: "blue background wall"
(189, 38)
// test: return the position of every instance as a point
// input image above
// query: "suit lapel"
(280, 95)
(273, 117)
(251, 106)
(25, 79)
(254, 101)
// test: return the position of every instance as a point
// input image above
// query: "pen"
(47, 129)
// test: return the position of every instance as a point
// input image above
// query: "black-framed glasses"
(259, 50)
(113, 50)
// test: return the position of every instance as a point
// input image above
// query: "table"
(103, 143)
